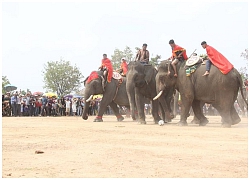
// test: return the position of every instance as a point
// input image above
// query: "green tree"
(118, 55)
(243, 70)
(5, 81)
(245, 54)
(61, 77)
(154, 60)
(116, 58)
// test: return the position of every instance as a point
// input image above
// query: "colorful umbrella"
(38, 93)
(77, 96)
(68, 96)
(50, 94)
(10, 87)
(99, 96)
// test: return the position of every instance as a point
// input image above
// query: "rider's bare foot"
(175, 75)
(206, 73)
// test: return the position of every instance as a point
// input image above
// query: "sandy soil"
(76, 148)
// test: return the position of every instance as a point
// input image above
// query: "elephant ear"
(85, 80)
(149, 72)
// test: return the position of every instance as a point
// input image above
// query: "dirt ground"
(76, 148)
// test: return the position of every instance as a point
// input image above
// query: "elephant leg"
(103, 106)
(196, 105)
(235, 117)
(185, 107)
(165, 111)
(224, 111)
(116, 111)
(155, 111)
(195, 120)
(140, 107)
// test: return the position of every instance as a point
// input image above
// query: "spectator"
(44, 104)
(37, 105)
(67, 103)
(79, 107)
(74, 103)
(14, 104)
(19, 99)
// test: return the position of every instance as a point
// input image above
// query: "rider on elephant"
(217, 59)
(143, 55)
(106, 64)
(178, 54)
(124, 67)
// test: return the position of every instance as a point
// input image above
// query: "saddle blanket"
(190, 69)
(116, 75)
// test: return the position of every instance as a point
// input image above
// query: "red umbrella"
(38, 93)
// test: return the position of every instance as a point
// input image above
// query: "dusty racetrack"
(76, 148)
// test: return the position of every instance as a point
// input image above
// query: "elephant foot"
(195, 121)
(236, 121)
(167, 121)
(225, 125)
(142, 122)
(182, 123)
(203, 122)
(85, 117)
(98, 119)
(121, 118)
(172, 116)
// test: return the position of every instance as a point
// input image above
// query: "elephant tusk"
(89, 98)
(158, 95)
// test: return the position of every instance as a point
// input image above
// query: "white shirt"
(67, 104)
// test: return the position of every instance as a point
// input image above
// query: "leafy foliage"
(245, 54)
(5, 81)
(243, 70)
(118, 55)
(154, 60)
(128, 54)
(61, 77)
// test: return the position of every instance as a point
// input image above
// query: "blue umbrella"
(77, 96)
(10, 87)
(68, 96)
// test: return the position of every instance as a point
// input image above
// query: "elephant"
(217, 89)
(168, 96)
(241, 101)
(141, 83)
(114, 93)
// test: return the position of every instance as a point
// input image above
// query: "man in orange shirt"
(124, 67)
(106, 64)
(178, 54)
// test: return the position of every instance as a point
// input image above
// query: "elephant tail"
(241, 88)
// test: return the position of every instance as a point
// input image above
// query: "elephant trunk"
(130, 87)
(86, 105)
(85, 111)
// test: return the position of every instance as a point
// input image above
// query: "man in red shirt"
(178, 54)
(124, 67)
(106, 64)
(217, 59)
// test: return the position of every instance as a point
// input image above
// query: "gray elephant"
(217, 89)
(169, 97)
(114, 93)
(140, 84)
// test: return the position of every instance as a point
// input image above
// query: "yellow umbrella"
(98, 96)
(50, 94)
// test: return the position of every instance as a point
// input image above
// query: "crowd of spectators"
(29, 105)
(17, 104)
